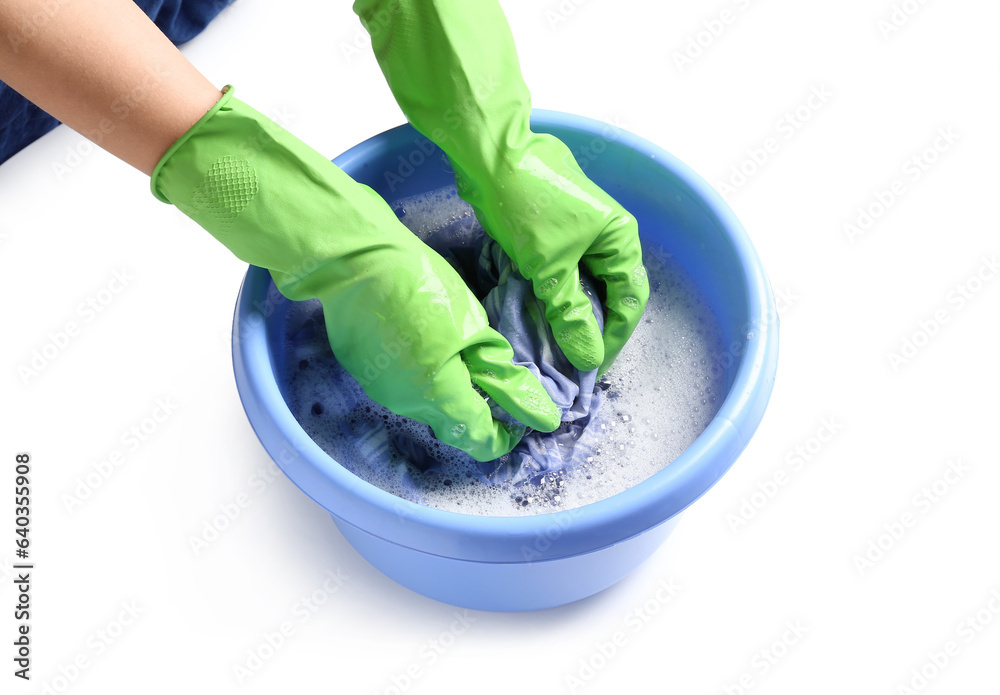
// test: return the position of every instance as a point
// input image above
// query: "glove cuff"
(227, 94)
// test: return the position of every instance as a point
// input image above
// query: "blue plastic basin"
(527, 563)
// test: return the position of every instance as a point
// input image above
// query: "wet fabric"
(519, 316)
(21, 122)
(362, 436)
(515, 312)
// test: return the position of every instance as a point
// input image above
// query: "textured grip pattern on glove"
(278, 203)
(229, 185)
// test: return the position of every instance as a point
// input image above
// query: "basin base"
(516, 586)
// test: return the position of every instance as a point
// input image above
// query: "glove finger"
(512, 386)
(571, 315)
(461, 417)
(615, 259)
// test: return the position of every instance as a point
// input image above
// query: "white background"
(845, 305)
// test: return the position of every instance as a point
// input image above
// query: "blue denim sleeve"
(21, 122)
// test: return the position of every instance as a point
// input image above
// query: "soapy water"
(660, 394)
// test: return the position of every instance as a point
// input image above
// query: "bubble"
(660, 383)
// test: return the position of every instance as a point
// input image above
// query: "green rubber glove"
(277, 203)
(452, 66)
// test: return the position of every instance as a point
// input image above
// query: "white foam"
(664, 389)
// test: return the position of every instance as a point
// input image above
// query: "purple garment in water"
(516, 313)
(361, 435)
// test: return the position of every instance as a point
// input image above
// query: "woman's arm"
(104, 69)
